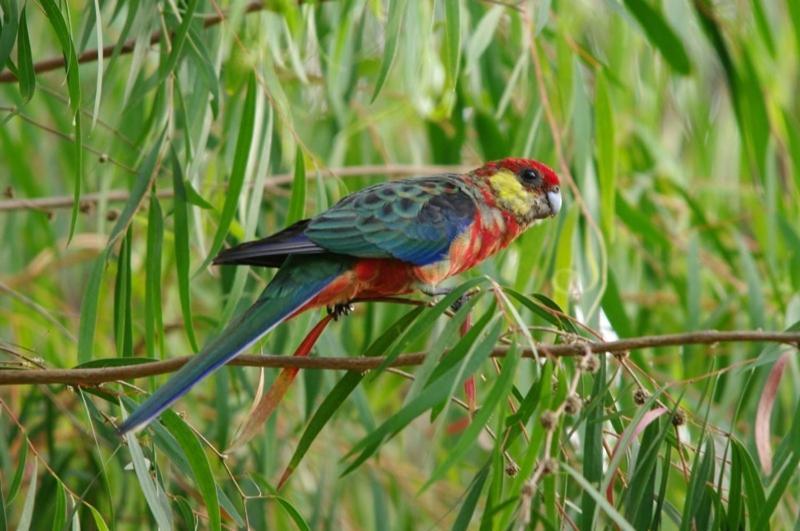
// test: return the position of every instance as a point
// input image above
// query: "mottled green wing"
(414, 220)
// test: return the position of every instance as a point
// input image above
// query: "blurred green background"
(674, 126)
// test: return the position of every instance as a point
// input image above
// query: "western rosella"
(384, 240)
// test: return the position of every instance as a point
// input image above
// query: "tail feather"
(273, 250)
(275, 305)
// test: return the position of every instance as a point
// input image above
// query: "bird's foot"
(340, 310)
(443, 292)
(460, 301)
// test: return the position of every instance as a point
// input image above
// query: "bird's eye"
(530, 176)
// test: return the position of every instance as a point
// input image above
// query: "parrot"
(388, 239)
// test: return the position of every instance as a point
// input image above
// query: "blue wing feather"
(414, 220)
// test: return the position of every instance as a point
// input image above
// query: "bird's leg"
(436, 291)
(340, 310)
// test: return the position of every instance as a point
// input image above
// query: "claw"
(340, 310)
(461, 301)
(436, 292)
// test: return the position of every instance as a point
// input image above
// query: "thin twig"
(89, 56)
(110, 374)
(65, 201)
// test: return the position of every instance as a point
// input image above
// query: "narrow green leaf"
(433, 356)
(695, 508)
(297, 203)
(461, 350)
(201, 57)
(754, 279)
(439, 389)
(113, 362)
(178, 40)
(91, 295)
(755, 124)
(8, 32)
(606, 154)
(181, 240)
(545, 308)
(198, 461)
(395, 22)
(123, 328)
(660, 35)
(499, 391)
(236, 181)
(776, 493)
(188, 518)
(26, 517)
(166, 443)
(614, 307)
(753, 490)
(640, 491)
(641, 224)
(471, 499)
(194, 197)
(701, 221)
(60, 508)
(293, 513)
(794, 15)
(593, 445)
(536, 400)
(625, 440)
(666, 466)
(528, 405)
(3, 515)
(598, 497)
(25, 71)
(736, 500)
(153, 493)
(421, 327)
(98, 92)
(452, 15)
(96, 517)
(16, 481)
(91, 299)
(481, 37)
(708, 21)
(763, 26)
(342, 390)
(141, 184)
(132, 9)
(74, 88)
(153, 324)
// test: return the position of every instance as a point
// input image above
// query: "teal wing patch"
(414, 220)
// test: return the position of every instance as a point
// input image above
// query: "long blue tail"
(295, 284)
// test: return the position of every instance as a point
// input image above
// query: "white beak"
(554, 200)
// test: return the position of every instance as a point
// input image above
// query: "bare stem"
(110, 374)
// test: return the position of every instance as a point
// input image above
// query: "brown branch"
(54, 63)
(110, 374)
(65, 201)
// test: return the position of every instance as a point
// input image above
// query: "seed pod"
(549, 466)
(548, 420)
(640, 397)
(589, 363)
(572, 405)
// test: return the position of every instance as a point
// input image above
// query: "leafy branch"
(116, 196)
(56, 63)
(94, 376)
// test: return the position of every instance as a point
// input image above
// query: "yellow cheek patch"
(510, 192)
